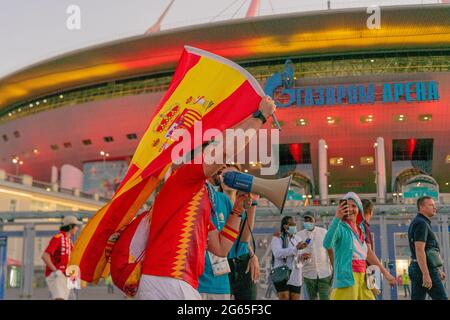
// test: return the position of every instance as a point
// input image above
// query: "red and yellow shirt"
(59, 248)
(180, 225)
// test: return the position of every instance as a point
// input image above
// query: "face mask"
(308, 226)
(292, 230)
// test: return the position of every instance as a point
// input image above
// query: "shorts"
(215, 296)
(284, 287)
(57, 284)
(165, 288)
(358, 291)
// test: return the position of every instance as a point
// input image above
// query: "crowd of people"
(201, 244)
(334, 263)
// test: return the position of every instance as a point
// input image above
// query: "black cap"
(309, 213)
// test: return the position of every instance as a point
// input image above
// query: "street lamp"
(18, 163)
(104, 155)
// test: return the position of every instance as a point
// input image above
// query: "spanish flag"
(205, 87)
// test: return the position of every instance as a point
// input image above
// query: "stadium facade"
(352, 101)
(334, 79)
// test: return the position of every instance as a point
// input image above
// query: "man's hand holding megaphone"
(243, 202)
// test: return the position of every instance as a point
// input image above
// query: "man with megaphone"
(181, 228)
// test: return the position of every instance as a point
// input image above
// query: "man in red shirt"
(56, 257)
(181, 229)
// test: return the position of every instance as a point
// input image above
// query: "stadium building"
(334, 80)
(361, 109)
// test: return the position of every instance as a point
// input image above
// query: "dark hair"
(67, 228)
(284, 222)
(236, 166)
(195, 151)
(367, 205)
(421, 200)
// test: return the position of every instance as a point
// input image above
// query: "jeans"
(318, 288)
(418, 292)
(406, 289)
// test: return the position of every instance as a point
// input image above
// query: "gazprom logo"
(283, 79)
(350, 94)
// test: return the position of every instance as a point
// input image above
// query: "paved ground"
(95, 293)
(90, 293)
(100, 293)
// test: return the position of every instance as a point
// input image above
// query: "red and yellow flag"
(205, 87)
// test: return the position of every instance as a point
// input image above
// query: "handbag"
(372, 276)
(281, 273)
(434, 259)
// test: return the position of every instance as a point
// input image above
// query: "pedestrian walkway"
(89, 293)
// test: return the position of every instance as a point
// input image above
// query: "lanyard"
(211, 193)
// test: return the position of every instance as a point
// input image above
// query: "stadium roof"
(269, 37)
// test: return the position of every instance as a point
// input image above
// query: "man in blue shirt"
(244, 263)
(424, 271)
(214, 284)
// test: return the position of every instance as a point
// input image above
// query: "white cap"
(68, 220)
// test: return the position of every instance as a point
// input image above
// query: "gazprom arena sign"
(351, 94)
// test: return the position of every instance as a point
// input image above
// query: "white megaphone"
(275, 190)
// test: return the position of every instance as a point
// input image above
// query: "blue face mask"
(292, 230)
(309, 226)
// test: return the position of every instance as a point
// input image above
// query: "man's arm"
(220, 243)
(422, 261)
(331, 256)
(48, 261)
(373, 260)
(267, 107)
(253, 265)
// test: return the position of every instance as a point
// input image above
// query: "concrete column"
(2, 175)
(445, 249)
(3, 265)
(380, 165)
(55, 187)
(384, 255)
(27, 180)
(323, 172)
(26, 283)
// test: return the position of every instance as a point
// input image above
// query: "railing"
(42, 185)
(13, 178)
(52, 187)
